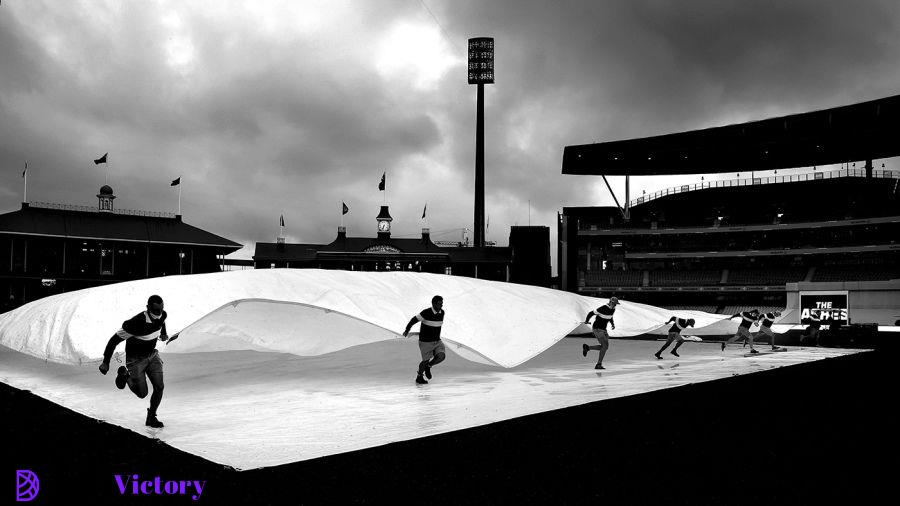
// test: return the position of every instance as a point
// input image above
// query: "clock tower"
(384, 223)
(105, 199)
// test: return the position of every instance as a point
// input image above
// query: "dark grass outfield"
(824, 430)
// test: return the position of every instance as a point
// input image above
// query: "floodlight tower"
(481, 72)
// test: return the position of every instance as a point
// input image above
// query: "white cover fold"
(312, 312)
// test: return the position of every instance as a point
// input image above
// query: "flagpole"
(179, 196)
(25, 175)
(342, 213)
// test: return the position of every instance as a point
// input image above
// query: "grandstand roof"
(74, 224)
(864, 131)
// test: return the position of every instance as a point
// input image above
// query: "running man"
(141, 357)
(812, 332)
(430, 344)
(748, 318)
(765, 322)
(675, 335)
(604, 316)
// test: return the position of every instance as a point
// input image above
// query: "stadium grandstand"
(726, 245)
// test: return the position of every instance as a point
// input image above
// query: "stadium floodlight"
(481, 72)
(481, 60)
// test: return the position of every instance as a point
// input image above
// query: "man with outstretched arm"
(141, 357)
(604, 316)
(675, 335)
(748, 318)
(430, 344)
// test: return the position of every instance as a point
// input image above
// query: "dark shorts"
(602, 336)
(431, 348)
(743, 332)
(675, 336)
(141, 369)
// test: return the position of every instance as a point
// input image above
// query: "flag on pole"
(381, 184)
(25, 177)
(423, 210)
(176, 182)
(282, 220)
(345, 209)
(102, 159)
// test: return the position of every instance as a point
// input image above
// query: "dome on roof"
(106, 190)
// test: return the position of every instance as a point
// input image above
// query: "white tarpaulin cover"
(310, 312)
(226, 402)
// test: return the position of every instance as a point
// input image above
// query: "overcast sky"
(266, 108)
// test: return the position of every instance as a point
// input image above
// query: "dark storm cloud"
(267, 108)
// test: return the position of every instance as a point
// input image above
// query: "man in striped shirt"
(675, 334)
(430, 344)
(603, 316)
(141, 357)
(748, 318)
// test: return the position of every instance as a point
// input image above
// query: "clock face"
(384, 226)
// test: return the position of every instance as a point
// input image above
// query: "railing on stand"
(792, 178)
(90, 209)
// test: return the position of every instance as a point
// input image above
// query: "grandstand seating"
(797, 202)
(732, 310)
(808, 201)
(610, 277)
(856, 273)
(766, 276)
(775, 239)
(685, 278)
(828, 237)
(762, 276)
(682, 307)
